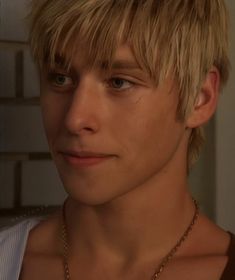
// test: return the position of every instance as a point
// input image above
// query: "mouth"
(84, 158)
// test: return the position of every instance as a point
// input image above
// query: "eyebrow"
(125, 64)
(118, 64)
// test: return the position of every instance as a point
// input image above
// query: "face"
(109, 133)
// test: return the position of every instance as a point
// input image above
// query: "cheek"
(153, 134)
(52, 115)
(153, 148)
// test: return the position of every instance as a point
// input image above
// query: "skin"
(128, 210)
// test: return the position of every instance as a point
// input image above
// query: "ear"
(206, 101)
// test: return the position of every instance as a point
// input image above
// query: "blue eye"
(61, 80)
(120, 84)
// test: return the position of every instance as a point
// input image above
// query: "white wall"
(225, 143)
(27, 179)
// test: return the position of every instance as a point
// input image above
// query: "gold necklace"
(160, 267)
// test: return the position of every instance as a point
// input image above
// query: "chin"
(90, 200)
(94, 195)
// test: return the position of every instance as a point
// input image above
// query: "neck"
(139, 224)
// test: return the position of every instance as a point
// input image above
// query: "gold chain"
(161, 266)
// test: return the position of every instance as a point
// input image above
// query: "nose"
(82, 114)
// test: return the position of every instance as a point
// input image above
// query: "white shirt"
(13, 242)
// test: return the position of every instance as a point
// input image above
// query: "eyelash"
(52, 78)
(113, 79)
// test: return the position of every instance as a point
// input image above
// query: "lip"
(84, 158)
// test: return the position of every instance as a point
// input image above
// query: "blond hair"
(183, 38)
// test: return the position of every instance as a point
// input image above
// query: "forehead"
(98, 27)
(123, 58)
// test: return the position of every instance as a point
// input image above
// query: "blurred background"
(28, 178)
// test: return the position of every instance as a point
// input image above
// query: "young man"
(125, 88)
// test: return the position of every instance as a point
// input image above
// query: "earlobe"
(206, 101)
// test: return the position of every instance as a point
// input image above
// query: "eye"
(119, 84)
(60, 80)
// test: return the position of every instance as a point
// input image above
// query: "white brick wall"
(6, 184)
(7, 77)
(31, 80)
(13, 23)
(21, 129)
(41, 185)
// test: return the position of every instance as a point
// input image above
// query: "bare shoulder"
(204, 256)
(44, 237)
(210, 239)
(42, 252)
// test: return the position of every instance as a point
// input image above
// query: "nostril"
(88, 128)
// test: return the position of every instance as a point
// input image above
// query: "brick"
(7, 73)
(2, 125)
(31, 79)
(6, 184)
(13, 23)
(41, 184)
(21, 129)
